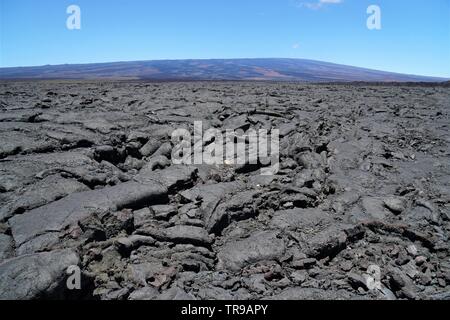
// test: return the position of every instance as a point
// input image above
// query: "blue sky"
(414, 38)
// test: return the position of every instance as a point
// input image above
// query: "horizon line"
(217, 59)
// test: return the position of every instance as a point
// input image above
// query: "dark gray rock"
(6, 247)
(40, 275)
(146, 293)
(298, 293)
(150, 147)
(75, 207)
(180, 234)
(172, 178)
(260, 246)
(238, 207)
(41, 193)
(396, 205)
(164, 212)
(175, 293)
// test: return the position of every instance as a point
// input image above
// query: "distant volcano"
(216, 69)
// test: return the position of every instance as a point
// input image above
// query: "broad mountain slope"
(217, 69)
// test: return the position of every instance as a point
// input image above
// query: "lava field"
(359, 207)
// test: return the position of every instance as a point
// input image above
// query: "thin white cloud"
(295, 46)
(318, 4)
(330, 1)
